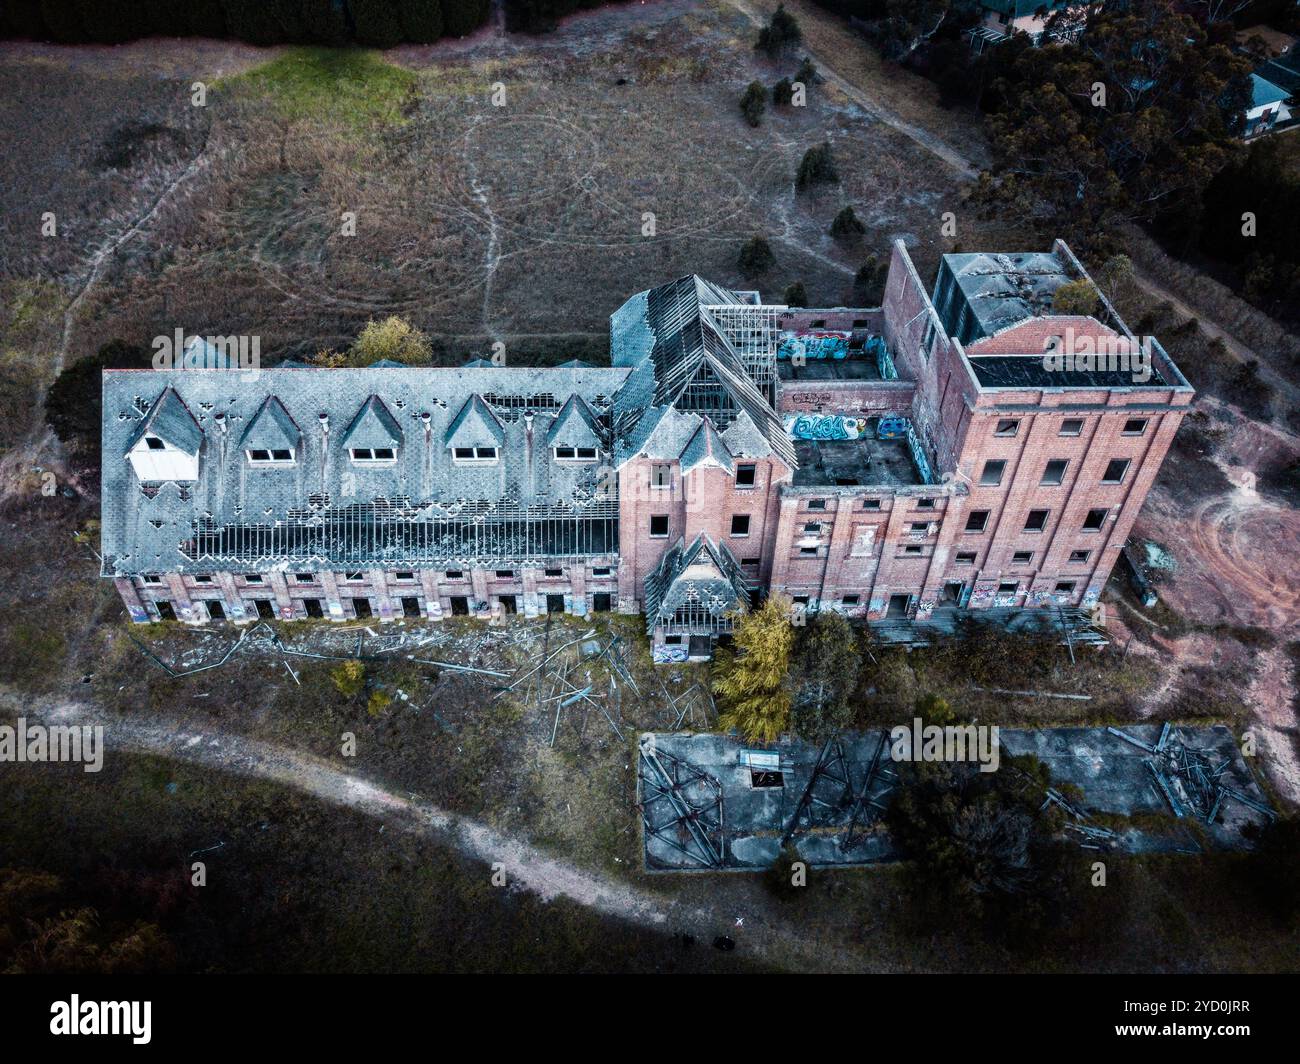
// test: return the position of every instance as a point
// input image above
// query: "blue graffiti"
(825, 426)
(814, 345)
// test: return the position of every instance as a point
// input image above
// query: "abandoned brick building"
(970, 449)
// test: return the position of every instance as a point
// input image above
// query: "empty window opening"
(313, 607)
(361, 607)
(659, 526)
(600, 602)
(1079, 557)
(1036, 521)
(1022, 557)
(992, 475)
(1135, 426)
(216, 611)
(459, 606)
(509, 603)
(898, 606)
(965, 557)
(410, 606)
(1094, 520)
(977, 520)
(554, 603)
(165, 611)
(1007, 427)
(745, 476)
(740, 524)
(1072, 426)
(1054, 472)
(265, 610)
(1115, 470)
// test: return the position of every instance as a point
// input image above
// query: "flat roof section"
(1028, 371)
(845, 463)
(830, 369)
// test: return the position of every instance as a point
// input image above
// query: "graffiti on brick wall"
(823, 343)
(669, 655)
(825, 426)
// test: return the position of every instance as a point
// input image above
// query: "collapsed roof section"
(695, 589)
(681, 358)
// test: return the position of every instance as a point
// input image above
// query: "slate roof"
(706, 447)
(145, 526)
(704, 576)
(271, 428)
(576, 426)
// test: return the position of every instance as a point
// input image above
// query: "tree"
(753, 682)
(796, 295)
(74, 403)
(783, 93)
(826, 661)
(421, 20)
(376, 22)
(756, 257)
(909, 25)
(807, 74)
(460, 17)
(1075, 297)
(846, 225)
(978, 846)
(817, 167)
(869, 281)
(753, 103)
(393, 338)
(780, 34)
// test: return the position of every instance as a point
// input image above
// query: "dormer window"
(275, 456)
(373, 455)
(575, 454)
(154, 443)
(474, 455)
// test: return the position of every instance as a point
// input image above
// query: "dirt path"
(526, 867)
(965, 166)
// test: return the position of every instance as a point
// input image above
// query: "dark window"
(807, 550)
(256, 454)
(920, 526)
(404, 577)
(459, 606)
(313, 608)
(851, 600)
(1072, 426)
(1007, 427)
(203, 578)
(812, 529)
(1065, 587)
(925, 504)
(977, 520)
(1036, 521)
(354, 578)
(509, 603)
(361, 607)
(672, 640)
(1008, 587)
(871, 504)
(410, 607)
(155, 444)
(151, 578)
(1135, 426)
(1022, 557)
(600, 602)
(745, 476)
(165, 611)
(898, 606)
(264, 609)
(554, 603)
(1079, 557)
(600, 571)
(565, 453)
(912, 548)
(455, 574)
(586, 454)
(1094, 520)
(505, 574)
(1115, 470)
(740, 524)
(482, 453)
(279, 455)
(554, 572)
(965, 557)
(658, 525)
(1054, 472)
(820, 323)
(305, 578)
(387, 454)
(992, 475)
(216, 611)
(253, 578)
(749, 563)
(816, 504)
(461, 453)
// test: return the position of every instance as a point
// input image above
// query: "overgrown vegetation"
(753, 683)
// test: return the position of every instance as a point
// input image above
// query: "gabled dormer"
(374, 437)
(272, 437)
(706, 448)
(166, 445)
(574, 435)
(475, 436)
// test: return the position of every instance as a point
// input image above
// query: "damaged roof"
(146, 527)
(702, 578)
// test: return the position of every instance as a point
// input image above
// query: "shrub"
(817, 168)
(781, 33)
(755, 257)
(348, 677)
(393, 338)
(753, 103)
(846, 225)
